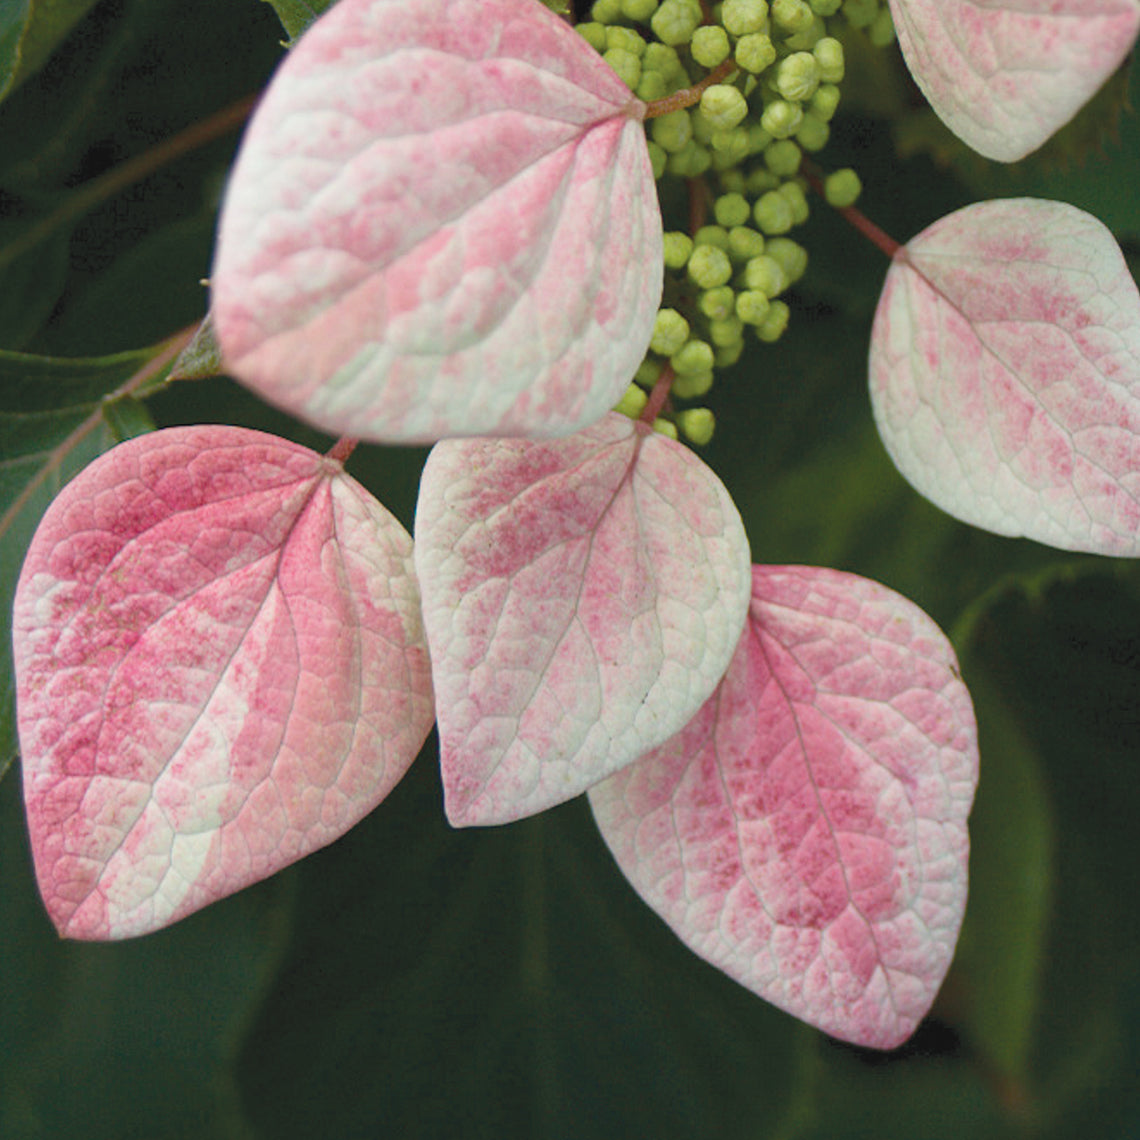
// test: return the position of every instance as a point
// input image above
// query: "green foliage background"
(414, 981)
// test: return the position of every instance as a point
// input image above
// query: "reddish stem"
(855, 216)
(688, 96)
(658, 396)
(86, 197)
(342, 449)
(698, 204)
(167, 352)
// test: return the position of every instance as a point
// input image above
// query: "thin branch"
(164, 356)
(857, 218)
(342, 449)
(98, 190)
(689, 96)
(658, 396)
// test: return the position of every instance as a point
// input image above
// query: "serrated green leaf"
(53, 422)
(145, 1031)
(33, 269)
(202, 357)
(297, 15)
(1055, 660)
(29, 31)
(127, 417)
(524, 991)
(1002, 949)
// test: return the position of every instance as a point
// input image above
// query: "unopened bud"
(697, 425)
(670, 331)
(842, 188)
(742, 17)
(755, 52)
(772, 327)
(675, 21)
(798, 76)
(781, 119)
(723, 106)
(710, 45)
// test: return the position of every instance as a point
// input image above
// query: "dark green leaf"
(52, 424)
(33, 269)
(1001, 954)
(131, 1039)
(503, 982)
(29, 31)
(1058, 658)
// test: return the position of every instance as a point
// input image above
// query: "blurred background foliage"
(414, 981)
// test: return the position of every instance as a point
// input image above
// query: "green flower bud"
(638, 11)
(663, 58)
(783, 158)
(697, 425)
(652, 86)
(692, 386)
(794, 193)
(732, 210)
(672, 132)
(648, 372)
(690, 162)
(717, 303)
(829, 55)
(752, 306)
(723, 106)
(710, 45)
(733, 182)
(781, 120)
(758, 139)
(626, 39)
(730, 148)
(760, 181)
(632, 402)
(858, 13)
(703, 130)
(743, 17)
(842, 188)
(712, 235)
(729, 354)
(813, 133)
(675, 21)
(606, 11)
(797, 77)
(665, 427)
(594, 34)
(808, 38)
(678, 248)
(882, 30)
(670, 331)
(792, 15)
(626, 64)
(727, 330)
(744, 243)
(658, 159)
(825, 7)
(755, 52)
(765, 275)
(825, 101)
(791, 256)
(694, 356)
(771, 328)
(773, 213)
(709, 266)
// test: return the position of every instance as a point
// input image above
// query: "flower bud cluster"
(739, 150)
